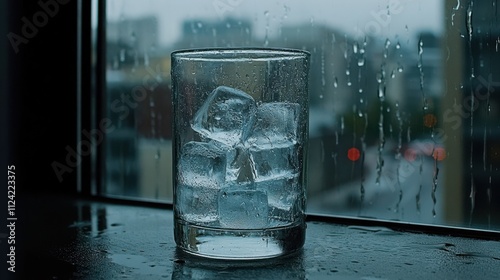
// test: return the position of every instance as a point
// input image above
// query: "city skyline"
(384, 18)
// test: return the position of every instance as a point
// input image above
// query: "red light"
(439, 153)
(353, 154)
(410, 155)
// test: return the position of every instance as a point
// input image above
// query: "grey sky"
(355, 17)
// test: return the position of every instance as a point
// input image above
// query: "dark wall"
(38, 113)
(41, 51)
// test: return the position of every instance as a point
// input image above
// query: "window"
(403, 113)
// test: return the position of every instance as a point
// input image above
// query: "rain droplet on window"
(122, 55)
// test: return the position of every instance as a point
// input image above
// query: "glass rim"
(240, 53)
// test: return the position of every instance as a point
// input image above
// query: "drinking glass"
(239, 151)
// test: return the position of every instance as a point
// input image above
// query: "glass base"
(236, 244)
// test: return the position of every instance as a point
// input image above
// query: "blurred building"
(230, 32)
(126, 39)
(139, 104)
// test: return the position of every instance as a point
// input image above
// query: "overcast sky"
(355, 17)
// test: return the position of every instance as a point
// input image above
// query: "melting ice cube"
(201, 173)
(224, 114)
(274, 124)
(243, 208)
(283, 193)
(274, 161)
(197, 204)
(202, 164)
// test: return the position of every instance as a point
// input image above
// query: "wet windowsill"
(62, 237)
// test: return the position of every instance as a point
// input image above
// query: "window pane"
(403, 112)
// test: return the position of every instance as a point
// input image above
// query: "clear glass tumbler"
(240, 149)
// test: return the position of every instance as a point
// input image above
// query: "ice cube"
(274, 161)
(281, 216)
(197, 204)
(241, 207)
(201, 173)
(223, 115)
(274, 124)
(202, 164)
(281, 191)
(284, 198)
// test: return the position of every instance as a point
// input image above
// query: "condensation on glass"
(403, 117)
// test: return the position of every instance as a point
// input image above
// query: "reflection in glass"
(189, 267)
